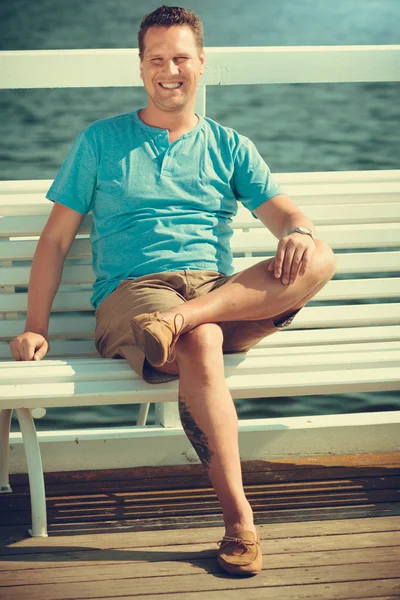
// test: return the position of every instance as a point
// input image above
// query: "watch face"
(302, 230)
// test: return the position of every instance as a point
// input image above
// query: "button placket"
(166, 165)
(163, 148)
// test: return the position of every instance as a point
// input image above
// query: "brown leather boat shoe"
(157, 336)
(240, 555)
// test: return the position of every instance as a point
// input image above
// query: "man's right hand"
(29, 346)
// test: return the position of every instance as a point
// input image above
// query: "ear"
(202, 62)
(141, 70)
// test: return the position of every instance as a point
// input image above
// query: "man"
(163, 185)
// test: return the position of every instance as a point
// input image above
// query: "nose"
(170, 68)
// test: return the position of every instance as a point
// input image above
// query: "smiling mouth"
(175, 86)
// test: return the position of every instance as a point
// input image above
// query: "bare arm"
(47, 267)
(280, 214)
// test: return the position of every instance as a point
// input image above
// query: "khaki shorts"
(159, 292)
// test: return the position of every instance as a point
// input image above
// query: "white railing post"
(200, 104)
(167, 414)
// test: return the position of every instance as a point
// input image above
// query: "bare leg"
(209, 418)
(256, 293)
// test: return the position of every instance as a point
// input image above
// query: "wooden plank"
(382, 235)
(63, 348)
(289, 341)
(199, 486)
(346, 263)
(342, 326)
(271, 544)
(72, 274)
(85, 350)
(335, 290)
(34, 188)
(54, 368)
(86, 490)
(225, 66)
(334, 591)
(125, 492)
(164, 485)
(61, 325)
(98, 508)
(325, 214)
(173, 516)
(67, 566)
(365, 262)
(15, 541)
(252, 385)
(290, 470)
(202, 582)
(379, 212)
(201, 520)
(68, 569)
(261, 362)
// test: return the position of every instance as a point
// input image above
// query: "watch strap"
(302, 230)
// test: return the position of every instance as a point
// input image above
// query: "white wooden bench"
(350, 345)
(346, 340)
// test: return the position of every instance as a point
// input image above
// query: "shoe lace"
(228, 540)
(175, 334)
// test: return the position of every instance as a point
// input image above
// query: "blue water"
(297, 127)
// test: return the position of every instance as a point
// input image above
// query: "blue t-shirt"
(159, 206)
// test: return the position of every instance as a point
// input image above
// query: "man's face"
(170, 57)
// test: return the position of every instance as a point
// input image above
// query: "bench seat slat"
(310, 317)
(256, 362)
(242, 386)
(80, 364)
(289, 341)
(59, 348)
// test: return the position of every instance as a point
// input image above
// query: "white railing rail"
(224, 66)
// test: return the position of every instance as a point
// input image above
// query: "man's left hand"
(292, 256)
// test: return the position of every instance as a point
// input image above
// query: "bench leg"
(35, 473)
(143, 413)
(5, 422)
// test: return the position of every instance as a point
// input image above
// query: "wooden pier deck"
(329, 529)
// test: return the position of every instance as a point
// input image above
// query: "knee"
(201, 340)
(323, 261)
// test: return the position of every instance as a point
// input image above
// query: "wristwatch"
(301, 230)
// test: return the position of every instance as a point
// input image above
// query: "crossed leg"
(256, 293)
(206, 407)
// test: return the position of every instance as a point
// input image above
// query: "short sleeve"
(75, 183)
(252, 179)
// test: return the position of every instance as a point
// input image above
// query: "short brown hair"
(167, 16)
